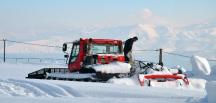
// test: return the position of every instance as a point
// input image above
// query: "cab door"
(74, 62)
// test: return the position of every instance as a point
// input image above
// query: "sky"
(33, 15)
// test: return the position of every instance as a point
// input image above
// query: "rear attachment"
(150, 74)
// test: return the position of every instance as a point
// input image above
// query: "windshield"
(105, 49)
(74, 52)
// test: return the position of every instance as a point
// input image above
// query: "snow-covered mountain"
(193, 39)
(198, 39)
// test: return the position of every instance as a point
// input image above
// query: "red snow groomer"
(88, 60)
(101, 59)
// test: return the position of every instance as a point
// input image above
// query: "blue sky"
(78, 13)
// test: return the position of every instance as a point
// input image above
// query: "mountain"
(192, 39)
(198, 39)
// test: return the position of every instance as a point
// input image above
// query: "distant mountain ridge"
(192, 39)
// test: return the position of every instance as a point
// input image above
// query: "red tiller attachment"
(163, 76)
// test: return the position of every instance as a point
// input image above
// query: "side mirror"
(66, 56)
(64, 48)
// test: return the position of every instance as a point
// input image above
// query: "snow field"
(14, 87)
(47, 88)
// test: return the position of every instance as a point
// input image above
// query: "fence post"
(160, 57)
(4, 57)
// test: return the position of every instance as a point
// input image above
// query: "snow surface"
(164, 70)
(15, 88)
(114, 67)
(210, 88)
(201, 67)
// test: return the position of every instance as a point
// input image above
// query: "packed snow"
(114, 67)
(15, 88)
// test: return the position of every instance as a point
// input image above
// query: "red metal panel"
(76, 65)
(154, 76)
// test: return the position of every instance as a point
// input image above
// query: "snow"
(124, 81)
(164, 70)
(115, 67)
(196, 83)
(201, 67)
(210, 88)
(15, 88)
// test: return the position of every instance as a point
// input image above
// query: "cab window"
(74, 52)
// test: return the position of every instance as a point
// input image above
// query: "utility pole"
(160, 57)
(4, 40)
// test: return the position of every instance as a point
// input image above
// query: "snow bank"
(201, 67)
(124, 81)
(115, 67)
(211, 93)
(198, 84)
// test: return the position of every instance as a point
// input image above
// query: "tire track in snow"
(14, 87)
(36, 92)
(71, 91)
(11, 89)
(2, 89)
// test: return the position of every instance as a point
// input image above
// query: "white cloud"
(150, 31)
(148, 17)
(147, 13)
